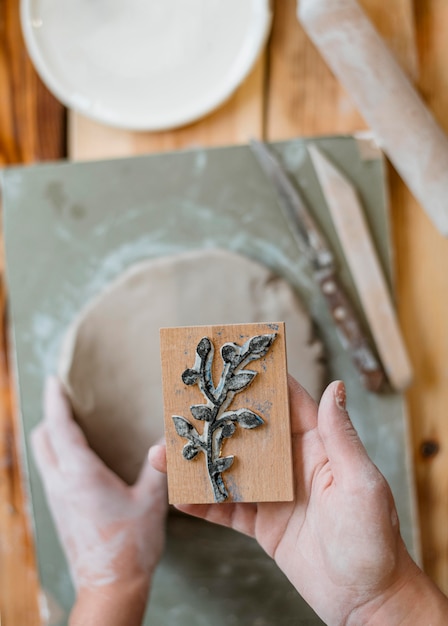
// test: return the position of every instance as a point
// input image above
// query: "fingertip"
(157, 458)
(342, 444)
(332, 405)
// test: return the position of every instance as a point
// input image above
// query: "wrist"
(412, 599)
(120, 603)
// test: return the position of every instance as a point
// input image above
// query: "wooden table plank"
(304, 97)
(396, 22)
(422, 262)
(18, 578)
(32, 128)
(32, 122)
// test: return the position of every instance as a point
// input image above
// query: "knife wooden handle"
(350, 332)
(362, 259)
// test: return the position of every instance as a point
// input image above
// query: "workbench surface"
(289, 93)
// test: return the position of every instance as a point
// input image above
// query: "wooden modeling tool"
(362, 259)
(228, 434)
(404, 127)
(310, 239)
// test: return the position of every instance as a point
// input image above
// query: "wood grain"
(32, 128)
(303, 96)
(396, 22)
(262, 468)
(18, 577)
(422, 279)
(32, 122)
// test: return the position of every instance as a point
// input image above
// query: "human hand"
(339, 541)
(112, 534)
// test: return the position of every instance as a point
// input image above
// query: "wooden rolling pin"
(404, 128)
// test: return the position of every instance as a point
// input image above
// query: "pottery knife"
(310, 238)
(354, 234)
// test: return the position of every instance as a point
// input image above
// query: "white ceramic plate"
(144, 64)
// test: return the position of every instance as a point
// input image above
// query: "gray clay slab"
(72, 228)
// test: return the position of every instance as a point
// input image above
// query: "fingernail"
(340, 395)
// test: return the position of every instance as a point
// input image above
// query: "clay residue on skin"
(94, 565)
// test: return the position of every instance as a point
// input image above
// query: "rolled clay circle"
(110, 361)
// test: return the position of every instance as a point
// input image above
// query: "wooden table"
(289, 93)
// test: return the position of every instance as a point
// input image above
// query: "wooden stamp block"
(226, 406)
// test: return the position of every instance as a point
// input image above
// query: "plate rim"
(258, 34)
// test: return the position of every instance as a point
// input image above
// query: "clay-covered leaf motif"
(248, 419)
(241, 381)
(220, 424)
(183, 427)
(201, 412)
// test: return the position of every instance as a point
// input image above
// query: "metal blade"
(300, 221)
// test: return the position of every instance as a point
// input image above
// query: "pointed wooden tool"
(354, 235)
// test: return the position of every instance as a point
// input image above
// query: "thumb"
(157, 457)
(347, 456)
(151, 483)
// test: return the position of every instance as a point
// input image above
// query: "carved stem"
(219, 489)
(214, 451)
